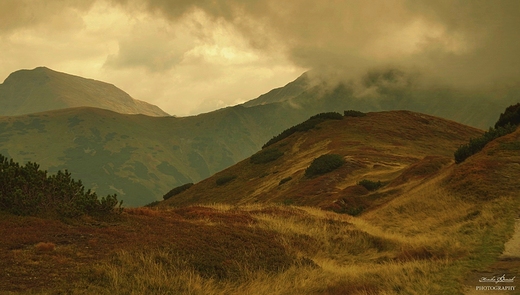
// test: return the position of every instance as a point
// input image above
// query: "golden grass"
(45, 247)
(424, 240)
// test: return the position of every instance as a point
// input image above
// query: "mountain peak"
(43, 89)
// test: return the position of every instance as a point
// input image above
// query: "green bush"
(475, 145)
(265, 156)
(507, 123)
(510, 116)
(352, 113)
(305, 126)
(225, 179)
(27, 190)
(177, 190)
(285, 180)
(324, 164)
(370, 185)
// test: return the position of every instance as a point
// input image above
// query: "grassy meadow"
(435, 227)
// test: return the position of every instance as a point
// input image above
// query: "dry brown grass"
(424, 238)
(45, 247)
(380, 146)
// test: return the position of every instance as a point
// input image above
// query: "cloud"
(465, 42)
(187, 55)
(50, 14)
(153, 45)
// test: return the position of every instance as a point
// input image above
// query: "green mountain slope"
(141, 158)
(136, 156)
(392, 147)
(42, 89)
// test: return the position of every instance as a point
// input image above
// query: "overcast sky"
(193, 56)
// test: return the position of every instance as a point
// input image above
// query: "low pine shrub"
(304, 126)
(265, 156)
(507, 123)
(510, 116)
(475, 145)
(370, 185)
(27, 190)
(324, 164)
(177, 190)
(225, 179)
(287, 179)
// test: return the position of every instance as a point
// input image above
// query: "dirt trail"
(512, 247)
(508, 266)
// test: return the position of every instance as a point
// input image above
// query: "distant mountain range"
(42, 89)
(116, 144)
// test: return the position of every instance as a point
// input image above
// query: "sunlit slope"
(442, 230)
(138, 157)
(42, 89)
(396, 148)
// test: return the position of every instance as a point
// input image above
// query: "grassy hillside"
(391, 147)
(440, 227)
(42, 89)
(432, 239)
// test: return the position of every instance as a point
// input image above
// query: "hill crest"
(378, 147)
(42, 89)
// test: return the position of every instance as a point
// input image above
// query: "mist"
(193, 56)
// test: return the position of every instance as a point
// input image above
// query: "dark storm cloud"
(208, 47)
(468, 42)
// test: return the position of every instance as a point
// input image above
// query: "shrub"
(324, 164)
(265, 156)
(352, 113)
(507, 123)
(510, 116)
(370, 185)
(475, 145)
(27, 190)
(304, 126)
(285, 180)
(225, 179)
(177, 190)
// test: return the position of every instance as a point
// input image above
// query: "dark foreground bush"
(370, 185)
(324, 164)
(265, 156)
(305, 126)
(225, 179)
(177, 190)
(27, 190)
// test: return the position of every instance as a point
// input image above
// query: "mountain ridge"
(42, 89)
(379, 147)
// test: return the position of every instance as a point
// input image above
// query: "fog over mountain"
(190, 57)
